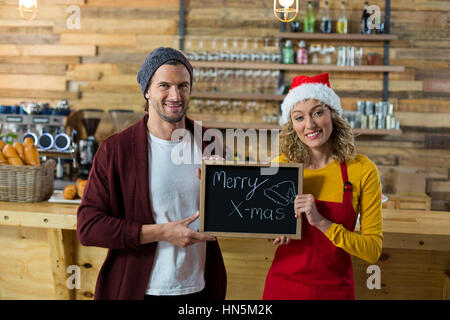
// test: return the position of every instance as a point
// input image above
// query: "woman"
(337, 184)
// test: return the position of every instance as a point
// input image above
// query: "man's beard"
(163, 115)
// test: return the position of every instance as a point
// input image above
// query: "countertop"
(398, 225)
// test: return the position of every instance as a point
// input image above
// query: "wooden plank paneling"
(29, 38)
(56, 69)
(33, 82)
(25, 264)
(436, 86)
(423, 105)
(437, 142)
(127, 12)
(90, 260)
(47, 50)
(37, 94)
(39, 60)
(134, 3)
(126, 26)
(148, 43)
(90, 71)
(429, 159)
(22, 23)
(61, 254)
(117, 40)
(422, 54)
(429, 120)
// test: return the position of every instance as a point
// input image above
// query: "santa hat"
(309, 88)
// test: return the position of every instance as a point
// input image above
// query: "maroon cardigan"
(115, 205)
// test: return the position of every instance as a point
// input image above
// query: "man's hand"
(179, 234)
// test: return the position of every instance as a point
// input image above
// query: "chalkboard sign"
(236, 200)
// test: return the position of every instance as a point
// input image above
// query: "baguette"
(2, 158)
(11, 154)
(15, 161)
(31, 155)
(80, 187)
(70, 192)
(19, 148)
(2, 144)
(28, 142)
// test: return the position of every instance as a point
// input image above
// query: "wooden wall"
(405, 274)
(96, 66)
(26, 264)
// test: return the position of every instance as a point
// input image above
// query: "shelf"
(336, 36)
(378, 132)
(295, 67)
(237, 96)
(275, 126)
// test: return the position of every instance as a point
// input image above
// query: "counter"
(38, 242)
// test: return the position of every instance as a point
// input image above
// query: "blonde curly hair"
(342, 141)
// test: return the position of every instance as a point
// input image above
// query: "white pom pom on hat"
(309, 88)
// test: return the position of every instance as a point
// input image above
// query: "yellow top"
(326, 184)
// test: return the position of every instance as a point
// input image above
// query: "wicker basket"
(27, 183)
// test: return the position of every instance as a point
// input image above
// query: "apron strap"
(348, 187)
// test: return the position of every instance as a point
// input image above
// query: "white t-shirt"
(175, 195)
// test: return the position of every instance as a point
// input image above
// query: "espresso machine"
(122, 119)
(88, 147)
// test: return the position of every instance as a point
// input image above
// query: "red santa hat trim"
(309, 88)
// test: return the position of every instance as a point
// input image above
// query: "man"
(143, 207)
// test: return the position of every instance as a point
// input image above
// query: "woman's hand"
(305, 203)
(280, 241)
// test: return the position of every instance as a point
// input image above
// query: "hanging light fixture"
(28, 9)
(286, 13)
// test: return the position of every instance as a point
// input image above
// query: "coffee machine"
(88, 147)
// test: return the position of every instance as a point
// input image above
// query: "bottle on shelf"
(255, 54)
(201, 55)
(302, 54)
(308, 23)
(266, 56)
(365, 19)
(288, 53)
(224, 54)
(213, 54)
(244, 54)
(325, 23)
(188, 51)
(314, 51)
(295, 25)
(276, 53)
(342, 23)
(235, 54)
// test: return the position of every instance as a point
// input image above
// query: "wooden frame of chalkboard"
(231, 209)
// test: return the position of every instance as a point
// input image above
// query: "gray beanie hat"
(156, 59)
